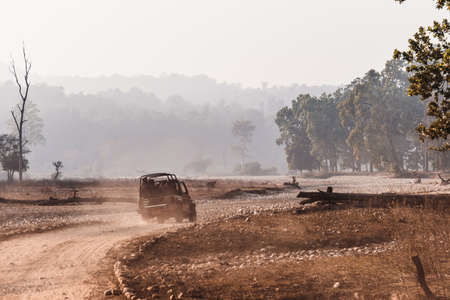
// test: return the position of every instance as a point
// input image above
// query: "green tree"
(293, 136)
(354, 112)
(324, 129)
(439, 3)
(401, 115)
(380, 117)
(10, 154)
(429, 63)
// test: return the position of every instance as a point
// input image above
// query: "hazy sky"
(248, 41)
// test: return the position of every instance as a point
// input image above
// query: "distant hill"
(197, 89)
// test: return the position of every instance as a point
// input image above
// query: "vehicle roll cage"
(170, 178)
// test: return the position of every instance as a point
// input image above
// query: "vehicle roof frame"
(169, 176)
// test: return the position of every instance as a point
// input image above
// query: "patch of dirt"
(16, 220)
(344, 254)
(62, 264)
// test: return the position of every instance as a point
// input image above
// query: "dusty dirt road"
(58, 264)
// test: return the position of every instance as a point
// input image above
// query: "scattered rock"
(116, 292)
(128, 290)
(153, 289)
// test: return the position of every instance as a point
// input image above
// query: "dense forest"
(370, 124)
(129, 131)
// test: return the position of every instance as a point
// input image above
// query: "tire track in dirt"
(58, 264)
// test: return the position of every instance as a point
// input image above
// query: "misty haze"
(147, 123)
(233, 149)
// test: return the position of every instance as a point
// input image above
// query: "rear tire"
(192, 213)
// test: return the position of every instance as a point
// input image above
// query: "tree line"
(368, 125)
(92, 133)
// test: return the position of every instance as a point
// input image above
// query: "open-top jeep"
(163, 196)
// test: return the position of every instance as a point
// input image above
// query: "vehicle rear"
(163, 196)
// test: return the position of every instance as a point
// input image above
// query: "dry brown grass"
(220, 260)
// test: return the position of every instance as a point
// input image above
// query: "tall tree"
(243, 130)
(429, 63)
(380, 117)
(400, 113)
(293, 136)
(19, 117)
(324, 129)
(354, 112)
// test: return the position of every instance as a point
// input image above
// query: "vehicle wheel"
(193, 214)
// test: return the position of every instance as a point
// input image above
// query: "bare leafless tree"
(19, 117)
(58, 166)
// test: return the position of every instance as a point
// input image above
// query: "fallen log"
(376, 200)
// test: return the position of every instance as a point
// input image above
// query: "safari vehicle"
(163, 196)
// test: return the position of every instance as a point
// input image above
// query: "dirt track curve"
(61, 264)
(58, 264)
